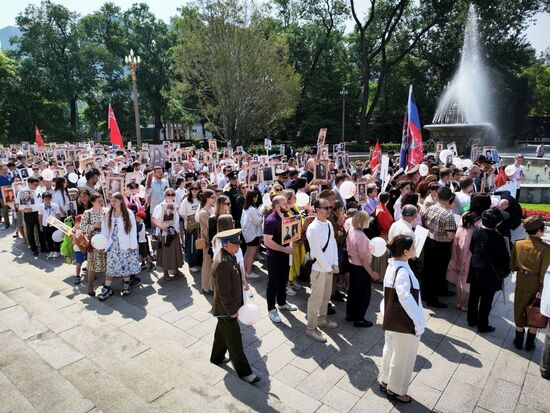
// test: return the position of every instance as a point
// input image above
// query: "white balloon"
(99, 242)
(444, 154)
(249, 314)
(510, 170)
(266, 200)
(81, 182)
(377, 246)
(467, 163)
(73, 178)
(57, 236)
(347, 189)
(423, 169)
(47, 174)
(302, 199)
(458, 163)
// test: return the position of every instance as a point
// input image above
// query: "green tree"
(8, 80)
(538, 77)
(239, 74)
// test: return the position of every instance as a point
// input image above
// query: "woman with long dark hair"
(208, 199)
(83, 202)
(119, 227)
(187, 211)
(457, 272)
(252, 230)
(60, 196)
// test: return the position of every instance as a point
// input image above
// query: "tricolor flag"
(114, 131)
(38, 137)
(375, 157)
(404, 152)
(415, 147)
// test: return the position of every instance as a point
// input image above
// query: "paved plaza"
(62, 351)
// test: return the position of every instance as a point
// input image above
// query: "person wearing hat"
(282, 177)
(231, 190)
(228, 298)
(530, 258)
(489, 265)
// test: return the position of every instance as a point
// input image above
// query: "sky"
(538, 34)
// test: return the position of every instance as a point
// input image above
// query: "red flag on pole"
(375, 158)
(38, 137)
(114, 131)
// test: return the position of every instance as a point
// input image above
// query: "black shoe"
(364, 323)
(447, 294)
(6, 226)
(106, 292)
(76, 280)
(331, 310)
(16, 235)
(336, 297)
(134, 282)
(488, 329)
(530, 341)
(472, 323)
(126, 288)
(91, 293)
(436, 304)
(35, 253)
(518, 341)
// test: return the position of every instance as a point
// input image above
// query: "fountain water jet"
(463, 114)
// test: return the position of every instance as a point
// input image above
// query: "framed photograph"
(58, 172)
(87, 165)
(361, 194)
(144, 156)
(475, 152)
(452, 147)
(264, 160)
(157, 156)
(340, 161)
(200, 155)
(115, 183)
(252, 175)
(212, 145)
(167, 215)
(132, 178)
(322, 136)
(8, 195)
(321, 171)
(291, 229)
(26, 200)
(227, 153)
(322, 152)
(23, 173)
(438, 147)
(207, 158)
(282, 150)
(149, 180)
(239, 150)
(268, 174)
(267, 144)
(60, 155)
(215, 157)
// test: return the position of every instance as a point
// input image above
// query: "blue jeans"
(191, 253)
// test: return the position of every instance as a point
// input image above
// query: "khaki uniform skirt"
(170, 258)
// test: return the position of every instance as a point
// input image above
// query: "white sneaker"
(288, 306)
(327, 323)
(316, 334)
(290, 292)
(296, 286)
(274, 316)
(50, 256)
(252, 276)
(195, 269)
(56, 254)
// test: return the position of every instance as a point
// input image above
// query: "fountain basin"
(535, 193)
(463, 134)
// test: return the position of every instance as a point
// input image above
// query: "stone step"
(29, 373)
(12, 399)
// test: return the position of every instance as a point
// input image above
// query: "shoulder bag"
(395, 317)
(305, 270)
(534, 317)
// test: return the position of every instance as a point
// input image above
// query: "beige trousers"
(398, 360)
(317, 305)
(206, 271)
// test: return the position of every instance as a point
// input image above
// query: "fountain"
(463, 113)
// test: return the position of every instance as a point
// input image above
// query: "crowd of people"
(453, 231)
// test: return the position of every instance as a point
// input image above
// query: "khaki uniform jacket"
(530, 258)
(228, 288)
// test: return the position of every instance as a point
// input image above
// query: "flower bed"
(545, 215)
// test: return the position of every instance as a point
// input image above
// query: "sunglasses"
(171, 195)
(227, 203)
(194, 189)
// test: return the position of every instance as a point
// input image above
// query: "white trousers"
(398, 360)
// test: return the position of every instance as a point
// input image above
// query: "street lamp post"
(343, 93)
(133, 63)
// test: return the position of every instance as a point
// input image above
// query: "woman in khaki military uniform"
(530, 258)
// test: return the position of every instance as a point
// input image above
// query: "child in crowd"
(45, 211)
(79, 256)
(143, 242)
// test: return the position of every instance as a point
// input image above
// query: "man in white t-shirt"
(404, 225)
(519, 176)
(45, 210)
(463, 197)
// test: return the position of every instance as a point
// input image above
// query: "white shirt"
(519, 175)
(181, 193)
(188, 208)
(400, 227)
(157, 214)
(402, 285)
(252, 223)
(46, 212)
(126, 241)
(397, 209)
(57, 198)
(462, 200)
(317, 234)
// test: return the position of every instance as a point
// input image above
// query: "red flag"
(38, 137)
(375, 157)
(114, 131)
(501, 178)
(414, 134)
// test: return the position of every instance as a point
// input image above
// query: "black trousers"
(31, 224)
(436, 260)
(518, 191)
(227, 337)
(479, 305)
(277, 271)
(359, 292)
(51, 245)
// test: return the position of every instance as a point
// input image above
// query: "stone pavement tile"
(154, 330)
(55, 351)
(535, 393)
(201, 315)
(20, 322)
(203, 328)
(469, 371)
(116, 311)
(508, 366)
(313, 356)
(9, 284)
(30, 374)
(105, 390)
(189, 401)
(275, 360)
(11, 397)
(373, 401)
(325, 409)
(480, 410)
(33, 284)
(359, 378)
(499, 396)
(5, 302)
(185, 323)
(291, 375)
(424, 399)
(174, 315)
(42, 310)
(375, 353)
(290, 396)
(126, 370)
(318, 383)
(262, 327)
(339, 399)
(458, 397)
(520, 408)
(486, 346)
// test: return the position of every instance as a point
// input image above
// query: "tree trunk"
(158, 126)
(74, 114)
(364, 90)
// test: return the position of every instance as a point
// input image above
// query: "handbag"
(305, 270)
(200, 243)
(395, 317)
(534, 317)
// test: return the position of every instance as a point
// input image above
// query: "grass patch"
(536, 207)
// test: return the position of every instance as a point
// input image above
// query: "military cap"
(430, 178)
(279, 172)
(532, 223)
(231, 236)
(232, 175)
